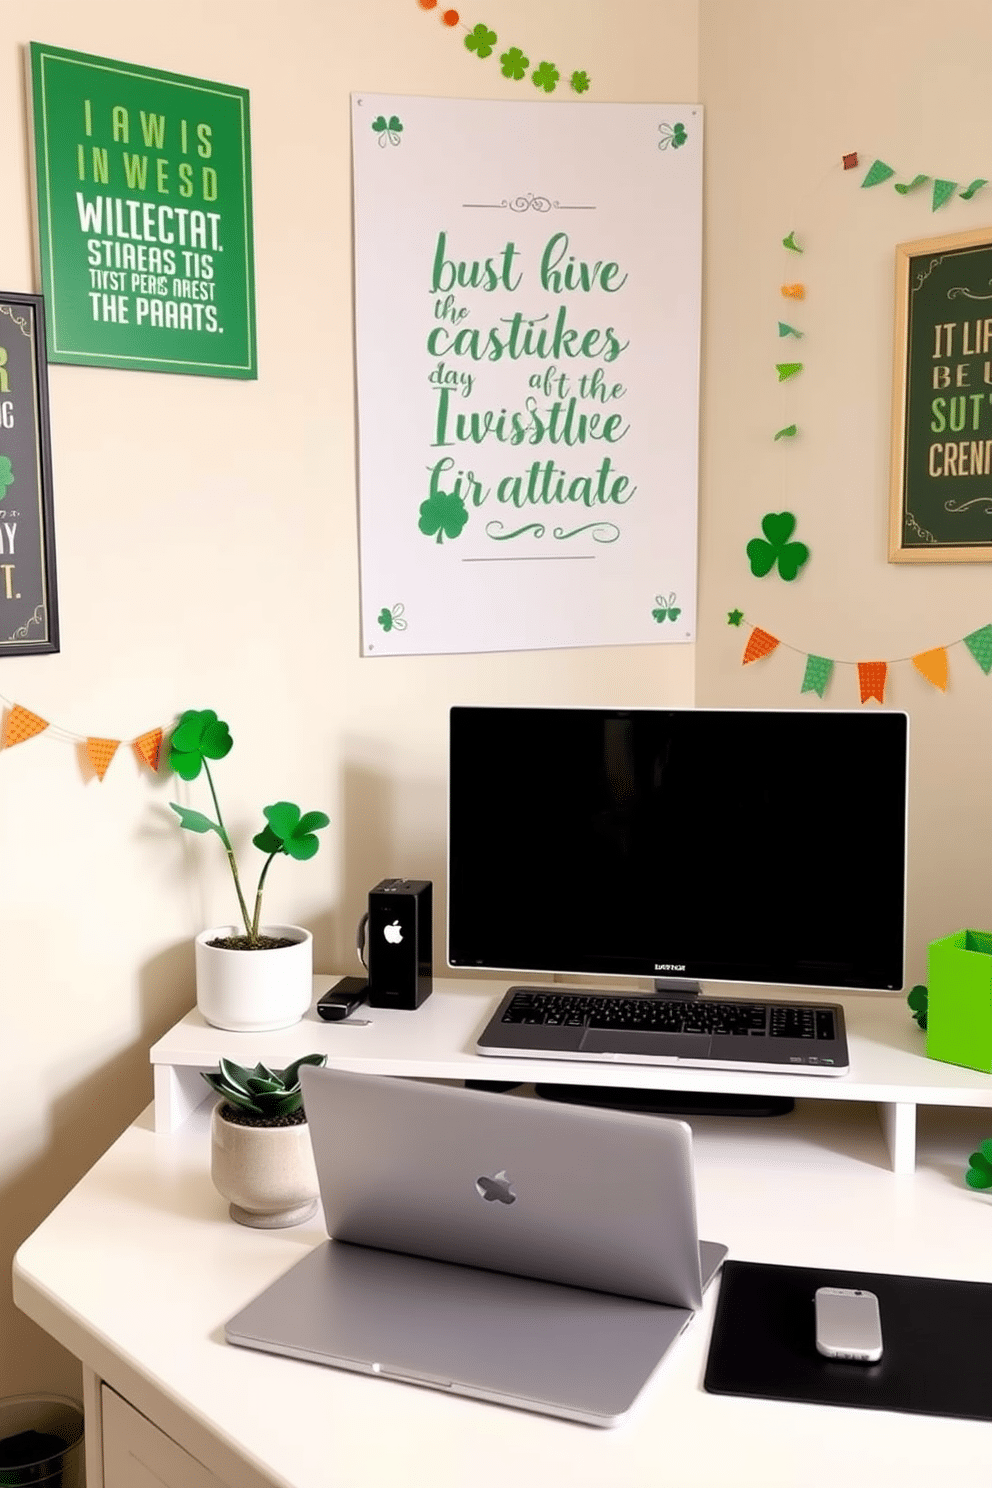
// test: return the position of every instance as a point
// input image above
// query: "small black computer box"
(400, 943)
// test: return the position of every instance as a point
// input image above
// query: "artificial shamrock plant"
(200, 736)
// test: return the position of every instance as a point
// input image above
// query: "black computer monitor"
(744, 846)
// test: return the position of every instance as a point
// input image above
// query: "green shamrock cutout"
(579, 82)
(918, 999)
(198, 736)
(671, 134)
(481, 41)
(667, 608)
(6, 474)
(444, 514)
(392, 619)
(514, 64)
(290, 831)
(546, 76)
(775, 547)
(979, 1174)
(390, 129)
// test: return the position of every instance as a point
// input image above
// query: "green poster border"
(39, 52)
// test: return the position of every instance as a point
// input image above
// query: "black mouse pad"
(935, 1342)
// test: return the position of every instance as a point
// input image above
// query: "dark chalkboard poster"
(28, 611)
(941, 499)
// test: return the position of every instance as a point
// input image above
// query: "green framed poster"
(941, 497)
(144, 216)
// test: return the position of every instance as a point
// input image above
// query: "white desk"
(137, 1269)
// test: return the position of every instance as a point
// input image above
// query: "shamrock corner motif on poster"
(519, 302)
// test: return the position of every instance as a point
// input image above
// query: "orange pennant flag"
(759, 644)
(871, 680)
(148, 747)
(100, 752)
(794, 291)
(20, 725)
(933, 666)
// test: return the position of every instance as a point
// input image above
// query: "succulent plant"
(271, 1094)
(200, 736)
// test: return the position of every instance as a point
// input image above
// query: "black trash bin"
(41, 1442)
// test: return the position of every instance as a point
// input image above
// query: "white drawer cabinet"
(137, 1454)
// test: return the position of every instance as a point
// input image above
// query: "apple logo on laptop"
(496, 1189)
(393, 932)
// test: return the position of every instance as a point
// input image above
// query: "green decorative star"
(514, 64)
(481, 40)
(734, 617)
(775, 547)
(546, 76)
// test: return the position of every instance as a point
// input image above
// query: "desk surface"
(138, 1268)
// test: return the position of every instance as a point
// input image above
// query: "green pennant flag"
(942, 192)
(791, 244)
(787, 369)
(877, 172)
(789, 432)
(905, 186)
(817, 675)
(787, 330)
(979, 643)
(977, 185)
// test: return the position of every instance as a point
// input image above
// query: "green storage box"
(959, 1006)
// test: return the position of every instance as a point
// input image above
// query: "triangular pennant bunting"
(933, 666)
(794, 291)
(148, 747)
(787, 330)
(818, 672)
(789, 432)
(20, 725)
(100, 752)
(903, 187)
(877, 172)
(970, 191)
(759, 644)
(979, 643)
(871, 680)
(790, 243)
(942, 192)
(786, 370)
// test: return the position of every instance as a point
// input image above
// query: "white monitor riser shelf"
(889, 1067)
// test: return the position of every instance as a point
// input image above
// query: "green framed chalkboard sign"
(29, 621)
(144, 216)
(941, 493)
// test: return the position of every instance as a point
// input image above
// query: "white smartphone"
(848, 1325)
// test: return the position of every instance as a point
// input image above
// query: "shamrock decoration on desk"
(775, 548)
(918, 1000)
(979, 1174)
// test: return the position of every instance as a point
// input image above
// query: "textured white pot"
(254, 991)
(266, 1173)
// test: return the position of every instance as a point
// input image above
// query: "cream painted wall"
(789, 87)
(207, 557)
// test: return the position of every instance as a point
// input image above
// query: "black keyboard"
(666, 1028)
(672, 1015)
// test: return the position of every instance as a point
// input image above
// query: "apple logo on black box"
(496, 1189)
(393, 933)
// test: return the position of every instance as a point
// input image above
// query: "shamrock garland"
(514, 64)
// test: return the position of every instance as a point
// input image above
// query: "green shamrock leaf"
(481, 40)
(385, 619)
(775, 548)
(379, 124)
(514, 63)
(979, 1174)
(394, 126)
(291, 832)
(580, 82)
(667, 608)
(199, 735)
(6, 473)
(918, 1000)
(679, 136)
(546, 76)
(443, 513)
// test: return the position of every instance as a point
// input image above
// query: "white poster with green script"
(527, 301)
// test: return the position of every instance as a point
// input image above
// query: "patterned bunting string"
(943, 189)
(20, 724)
(931, 664)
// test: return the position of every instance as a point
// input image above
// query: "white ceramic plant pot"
(254, 991)
(266, 1173)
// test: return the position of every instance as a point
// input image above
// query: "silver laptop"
(491, 1245)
